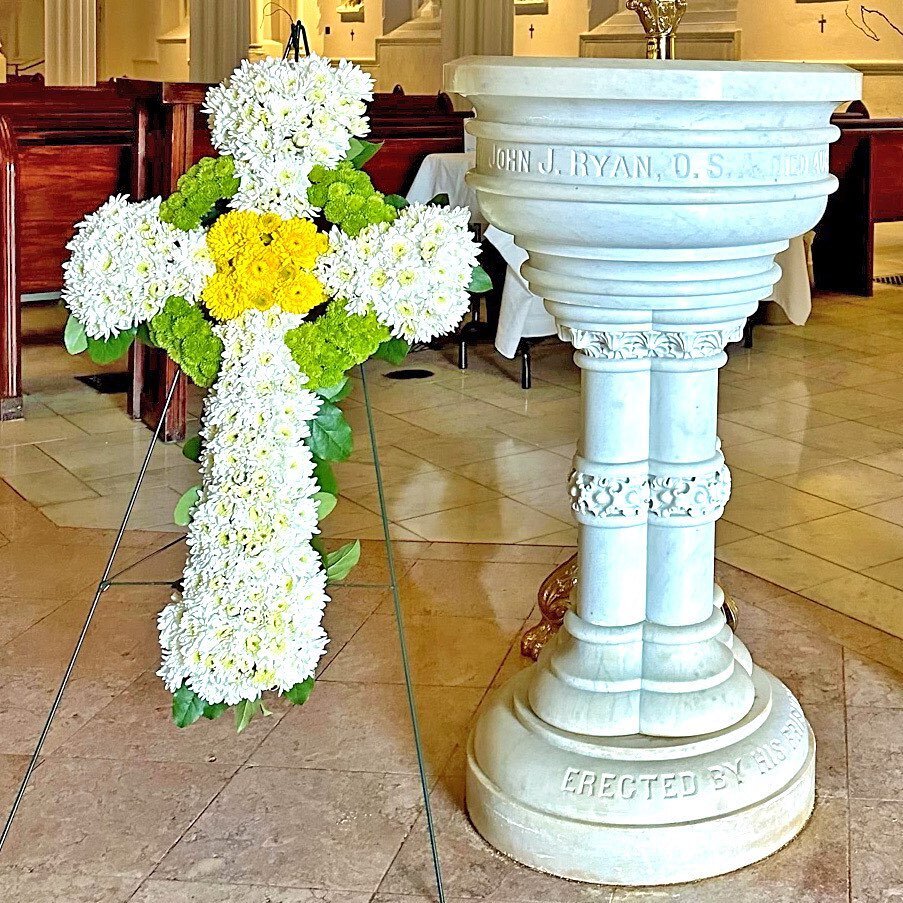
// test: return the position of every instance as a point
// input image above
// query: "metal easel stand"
(102, 586)
(108, 579)
(403, 644)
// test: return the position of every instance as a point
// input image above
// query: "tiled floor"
(322, 804)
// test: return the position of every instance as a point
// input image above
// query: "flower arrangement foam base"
(644, 747)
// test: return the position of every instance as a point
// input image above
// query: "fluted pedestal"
(644, 746)
(70, 42)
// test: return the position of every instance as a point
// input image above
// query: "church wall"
(339, 43)
(556, 33)
(22, 30)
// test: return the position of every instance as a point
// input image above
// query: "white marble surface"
(651, 199)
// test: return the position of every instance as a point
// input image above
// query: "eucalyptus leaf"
(326, 502)
(192, 449)
(393, 350)
(330, 435)
(212, 711)
(324, 475)
(244, 712)
(105, 351)
(440, 200)
(75, 337)
(182, 514)
(187, 706)
(480, 283)
(337, 392)
(300, 693)
(340, 562)
(396, 201)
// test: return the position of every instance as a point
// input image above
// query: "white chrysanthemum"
(280, 118)
(412, 273)
(248, 619)
(126, 262)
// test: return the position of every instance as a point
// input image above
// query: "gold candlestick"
(660, 19)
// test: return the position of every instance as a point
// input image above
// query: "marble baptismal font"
(645, 747)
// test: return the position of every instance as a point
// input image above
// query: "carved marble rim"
(647, 344)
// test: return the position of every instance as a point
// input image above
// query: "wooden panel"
(58, 185)
(887, 176)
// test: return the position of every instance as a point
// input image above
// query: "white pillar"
(477, 28)
(219, 38)
(70, 42)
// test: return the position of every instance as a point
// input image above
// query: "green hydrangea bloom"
(326, 348)
(187, 336)
(347, 198)
(199, 191)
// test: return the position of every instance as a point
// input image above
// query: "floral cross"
(234, 277)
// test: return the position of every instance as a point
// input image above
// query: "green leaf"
(143, 335)
(360, 152)
(319, 547)
(324, 475)
(300, 693)
(440, 200)
(330, 436)
(192, 449)
(244, 712)
(340, 562)
(396, 201)
(393, 350)
(212, 711)
(326, 502)
(337, 392)
(105, 351)
(182, 513)
(75, 338)
(480, 283)
(187, 706)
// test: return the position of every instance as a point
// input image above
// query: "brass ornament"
(555, 600)
(660, 19)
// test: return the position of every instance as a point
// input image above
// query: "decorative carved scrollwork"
(643, 344)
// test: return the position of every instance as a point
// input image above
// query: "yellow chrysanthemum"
(263, 260)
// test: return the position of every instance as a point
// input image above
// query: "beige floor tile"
(766, 505)
(566, 537)
(52, 486)
(444, 651)
(849, 374)
(344, 727)
(18, 614)
(554, 429)
(891, 461)
(521, 473)
(552, 500)
(781, 417)
(453, 453)
(473, 589)
(457, 551)
(348, 609)
(107, 818)
(876, 540)
(471, 869)
(740, 477)
(138, 726)
(159, 891)
(847, 439)
(28, 886)
(779, 563)
(828, 722)
(499, 520)
(736, 434)
(468, 417)
(852, 404)
(809, 664)
(890, 510)
(889, 422)
(111, 420)
(876, 756)
(876, 869)
(778, 457)
(301, 827)
(153, 509)
(349, 518)
(850, 483)
(862, 598)
(394, 397)
(890, 573)
(726, 532)
(68, 398)
(19, 460)
(422, 493)
(40, 429)
(871, 684)
(892, 388)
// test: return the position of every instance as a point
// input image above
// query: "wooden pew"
(868, 162)
(63, 152)
(172, 134)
